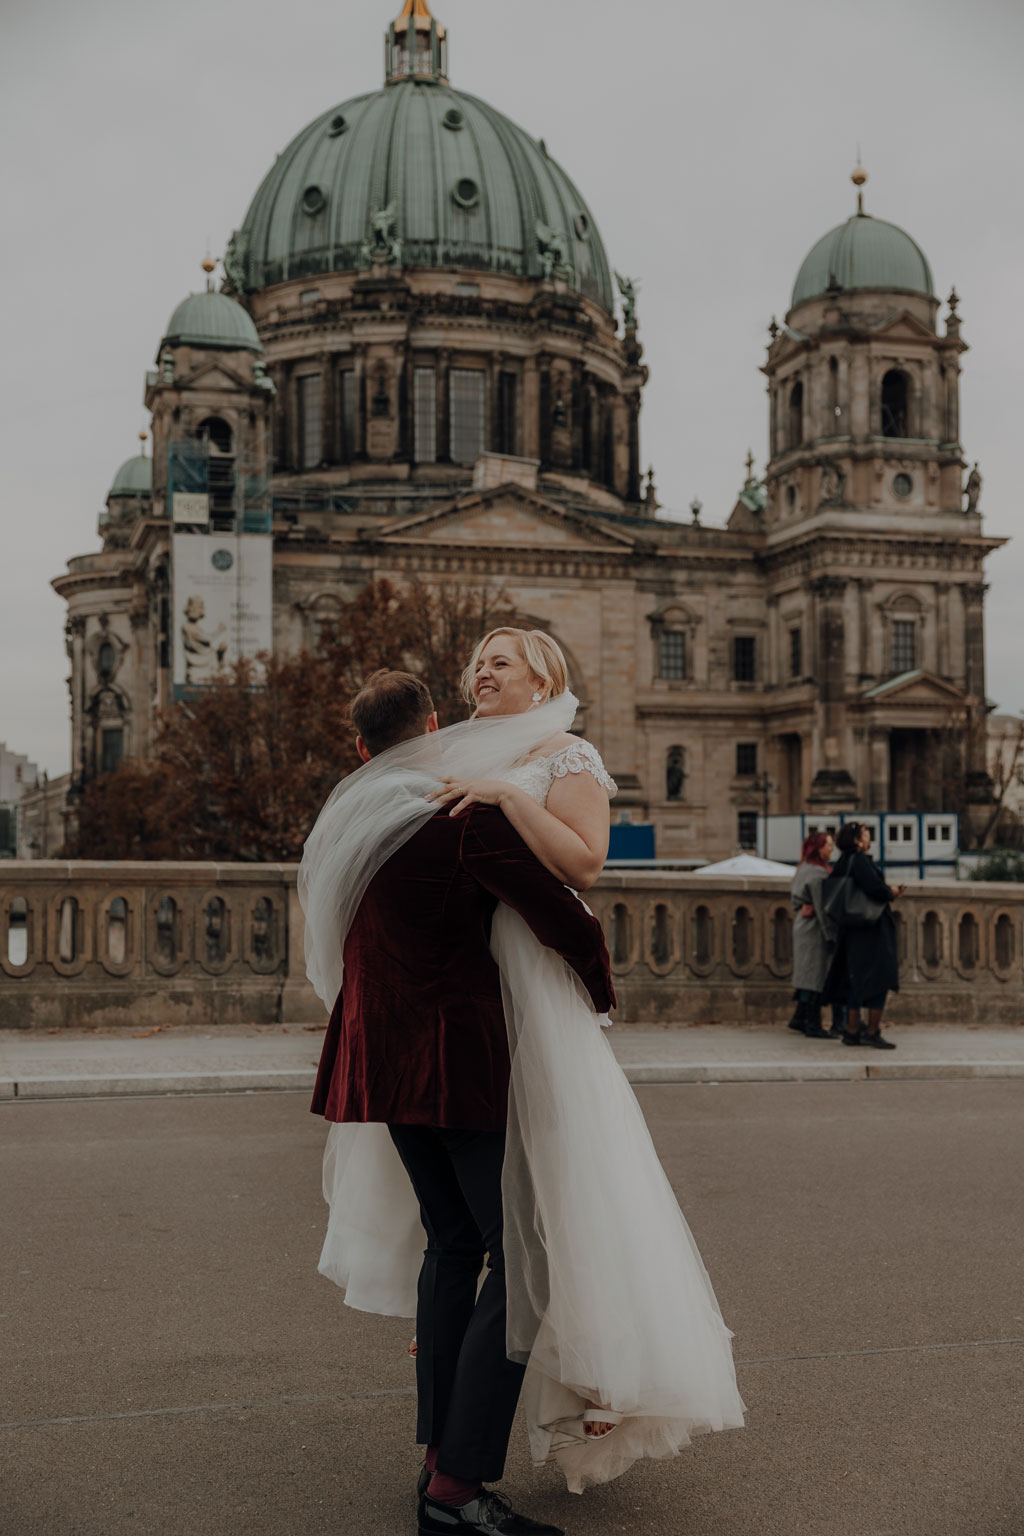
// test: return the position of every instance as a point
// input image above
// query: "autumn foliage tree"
(242, 767)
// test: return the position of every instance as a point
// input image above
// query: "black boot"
(488, 1514)
(812, 1028)
(799, 1019)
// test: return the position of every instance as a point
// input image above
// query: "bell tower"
(875, 546)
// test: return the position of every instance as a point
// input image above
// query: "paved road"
(172, 1362)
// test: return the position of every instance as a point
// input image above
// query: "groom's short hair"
(390, 707)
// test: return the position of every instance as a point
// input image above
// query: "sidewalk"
(274, 1058)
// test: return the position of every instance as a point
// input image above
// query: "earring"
(537, 698)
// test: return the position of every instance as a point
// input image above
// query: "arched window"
(217, 433)
(895, 404)
(833, 387)
(675, 774)
(796, 415)
(218, 437)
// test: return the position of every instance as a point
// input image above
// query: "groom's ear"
(363, 749)
(431, 724)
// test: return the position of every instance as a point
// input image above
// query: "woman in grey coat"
(813, 939)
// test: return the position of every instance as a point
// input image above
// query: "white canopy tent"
(747, 864)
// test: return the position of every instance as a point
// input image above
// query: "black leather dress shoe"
(878, 1040)
(488, 1514)
(423, 1480)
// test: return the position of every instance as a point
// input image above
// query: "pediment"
(508, 516)
(918, 687)
(904, 327)
(214, 376)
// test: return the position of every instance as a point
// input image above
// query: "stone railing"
(129, 945)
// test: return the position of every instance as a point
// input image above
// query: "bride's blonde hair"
(542, 655)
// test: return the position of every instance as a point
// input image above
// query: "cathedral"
(419, 363)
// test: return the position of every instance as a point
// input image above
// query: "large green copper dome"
(465, 187)
(863, 253)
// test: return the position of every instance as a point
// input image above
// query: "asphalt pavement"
(173, 1363)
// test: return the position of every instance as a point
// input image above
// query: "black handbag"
(848, 906)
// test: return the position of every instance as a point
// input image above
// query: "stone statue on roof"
(973, 489)
(553, 254)
(627, 289)
(383, 248)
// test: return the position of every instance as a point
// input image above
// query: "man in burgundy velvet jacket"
(417, 1041)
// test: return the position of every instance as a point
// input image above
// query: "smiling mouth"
(485, 688)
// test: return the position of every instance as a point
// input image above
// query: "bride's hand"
(467, 792)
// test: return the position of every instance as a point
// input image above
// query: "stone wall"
(136, 944)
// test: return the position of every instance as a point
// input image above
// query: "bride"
(609, 1303)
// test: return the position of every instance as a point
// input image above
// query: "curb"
(139, 1084)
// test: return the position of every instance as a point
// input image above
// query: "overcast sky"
(712, 142)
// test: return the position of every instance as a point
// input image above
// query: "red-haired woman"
(813, 944)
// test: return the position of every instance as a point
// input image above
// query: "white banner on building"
(222, 603)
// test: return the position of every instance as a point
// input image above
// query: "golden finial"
(859, 176)
(209, 266)
(142, 443)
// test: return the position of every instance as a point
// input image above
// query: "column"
(833, 782)
(942, 625)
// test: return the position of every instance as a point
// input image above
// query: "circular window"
(466, 192)
(902, 485)
(222, 559)
(453, 119)
(338, 125)
(581, 226)
(313, 201)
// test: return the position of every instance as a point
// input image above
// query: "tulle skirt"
(608, 1298)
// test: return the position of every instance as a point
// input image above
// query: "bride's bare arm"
(569, 836)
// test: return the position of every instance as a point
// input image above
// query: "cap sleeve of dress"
(583, 757)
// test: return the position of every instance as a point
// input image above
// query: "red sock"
(431, 1458)
(453, 1491)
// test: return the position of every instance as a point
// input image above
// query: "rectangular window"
(310, 438)
(746, 829)
(467, 414)
(746, 758)
(424, 415)
(111, 749)
(672, 654)
(796, 654)
(347, 405)
(743, 659)
(506, 423)
(904, 646)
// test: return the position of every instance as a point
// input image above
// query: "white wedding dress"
(609, 1301)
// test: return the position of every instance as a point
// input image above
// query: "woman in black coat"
(866, 966)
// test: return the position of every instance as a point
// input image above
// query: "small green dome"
(465, 188)
(212, 320)
(863, 253)
(134, 478)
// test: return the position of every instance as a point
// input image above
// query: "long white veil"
(372, 812)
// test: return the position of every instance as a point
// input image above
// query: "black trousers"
(466, 1385)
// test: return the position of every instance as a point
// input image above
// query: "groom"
(417, 1041)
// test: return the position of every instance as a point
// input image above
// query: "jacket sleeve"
(496, 857)
(864, 873)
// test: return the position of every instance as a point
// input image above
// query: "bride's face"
(503, 684)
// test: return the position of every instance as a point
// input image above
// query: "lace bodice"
(537, 776)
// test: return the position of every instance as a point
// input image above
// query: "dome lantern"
(415, 46)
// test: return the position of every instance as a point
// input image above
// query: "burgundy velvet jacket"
(417, 1035)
